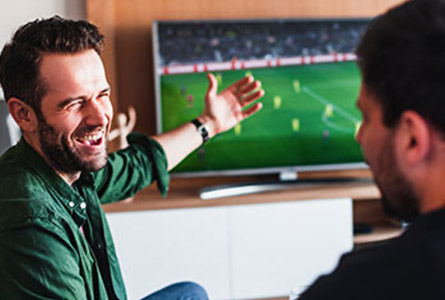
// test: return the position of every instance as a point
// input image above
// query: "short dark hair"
(20, 59)
(402, 60)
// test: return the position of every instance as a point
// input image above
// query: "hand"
(224, 110)
(124, 127)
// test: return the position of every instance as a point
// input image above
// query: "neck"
(432, 195)
(69, 178)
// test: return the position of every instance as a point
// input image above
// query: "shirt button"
(71, 204)
(83, 205)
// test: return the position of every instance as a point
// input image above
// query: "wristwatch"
(202, 129)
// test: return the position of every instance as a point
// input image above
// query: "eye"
(75, 104)
(104, 95)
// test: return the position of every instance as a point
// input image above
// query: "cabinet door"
(157, 248)
(277, 247)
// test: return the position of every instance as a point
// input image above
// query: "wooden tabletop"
(184, 193)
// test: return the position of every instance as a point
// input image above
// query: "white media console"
(235, 252)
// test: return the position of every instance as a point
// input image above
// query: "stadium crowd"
(220, 41)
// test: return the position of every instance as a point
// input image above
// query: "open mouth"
(91, 139)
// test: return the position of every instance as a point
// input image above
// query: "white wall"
(14, 13)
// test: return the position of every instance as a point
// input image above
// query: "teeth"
(92, 137)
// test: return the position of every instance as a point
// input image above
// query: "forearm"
(180, 142)
(221, 112)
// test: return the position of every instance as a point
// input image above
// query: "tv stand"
(239, 189)
(288, 175)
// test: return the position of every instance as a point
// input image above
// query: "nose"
(97, 113)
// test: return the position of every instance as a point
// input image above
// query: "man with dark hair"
(402, 99)
(54, 239)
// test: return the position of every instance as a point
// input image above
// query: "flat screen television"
(311, 81)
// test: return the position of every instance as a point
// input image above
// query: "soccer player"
(277, 102)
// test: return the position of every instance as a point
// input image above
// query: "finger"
(121, 120)
(213, 85)
(252, 110)
(251, 98)
(234, 87)
(248, 88)
(113, 134)
(131, 118)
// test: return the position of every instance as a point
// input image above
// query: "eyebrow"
(72, 99)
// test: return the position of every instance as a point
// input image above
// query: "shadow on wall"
(9, 131)
(75, 9)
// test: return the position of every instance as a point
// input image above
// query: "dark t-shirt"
(411, 266)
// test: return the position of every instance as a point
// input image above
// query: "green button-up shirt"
(55, 242)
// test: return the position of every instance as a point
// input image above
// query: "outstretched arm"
(221, 112)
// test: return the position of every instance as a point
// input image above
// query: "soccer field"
(309, 118)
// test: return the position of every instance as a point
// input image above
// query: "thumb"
(213, 85)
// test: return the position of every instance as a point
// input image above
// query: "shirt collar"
(38, 165)
(85, 179)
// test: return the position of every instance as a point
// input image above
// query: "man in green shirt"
(54, 238)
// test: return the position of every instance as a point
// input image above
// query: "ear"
(413, 138)
(23, 115)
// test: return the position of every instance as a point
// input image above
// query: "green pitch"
(308, 118)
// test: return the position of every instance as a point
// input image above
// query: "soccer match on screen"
(309, 75)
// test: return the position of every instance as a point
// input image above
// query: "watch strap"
(202, 130)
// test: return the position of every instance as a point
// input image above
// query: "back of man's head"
(402, 59)
(20, 59)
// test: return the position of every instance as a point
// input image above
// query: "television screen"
(307, 69)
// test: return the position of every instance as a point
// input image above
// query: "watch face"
(203, 131)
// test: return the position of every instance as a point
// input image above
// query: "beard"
(398, 197)
(63, 157)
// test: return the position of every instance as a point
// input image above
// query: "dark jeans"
(179, 291)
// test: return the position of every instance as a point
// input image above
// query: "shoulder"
(356, 273)
(23, 194)
(398, 258)
(18, 181)
(399, 268)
